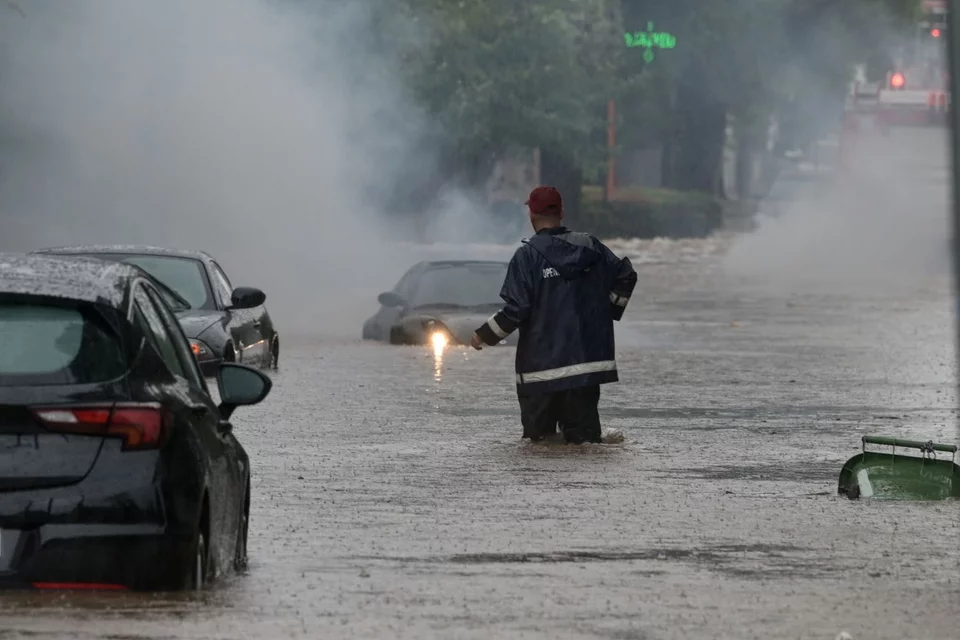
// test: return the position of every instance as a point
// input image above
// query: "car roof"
(67, 277)
(130, 249)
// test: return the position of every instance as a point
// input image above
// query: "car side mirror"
(240, 385)
(247, 298)
(391, 299)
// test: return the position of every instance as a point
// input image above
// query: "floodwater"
(392, 496)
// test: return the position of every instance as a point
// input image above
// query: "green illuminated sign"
(649, 40)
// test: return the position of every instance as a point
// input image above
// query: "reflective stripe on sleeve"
(559, 373)
(620, 301)
(493, 326)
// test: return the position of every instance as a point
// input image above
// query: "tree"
(496, 74)
(744, 61)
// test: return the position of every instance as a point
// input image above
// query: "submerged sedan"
(223, 323)
(118, 470)
(439, 303)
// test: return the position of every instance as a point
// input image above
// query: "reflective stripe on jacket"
(563, 291)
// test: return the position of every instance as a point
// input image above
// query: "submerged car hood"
(195, 321)
(462, 323)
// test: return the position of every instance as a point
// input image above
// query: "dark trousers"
(574, 410)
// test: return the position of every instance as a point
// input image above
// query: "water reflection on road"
(393, 497)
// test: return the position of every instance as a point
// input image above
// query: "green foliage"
(497, 73)
(792, 59)
(757, 53)
(650, 213)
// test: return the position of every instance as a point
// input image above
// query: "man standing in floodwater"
(563, 291)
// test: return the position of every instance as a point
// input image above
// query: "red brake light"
(140, 426)
(91, 586)
(897, 81)
(935, 33)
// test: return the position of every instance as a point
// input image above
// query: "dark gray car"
(223, 323)
(118, 470)
(449, 297)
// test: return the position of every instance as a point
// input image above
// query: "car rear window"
(43, 344)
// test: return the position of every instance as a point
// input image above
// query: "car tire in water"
(240, 560)
(229, 355)
(275, 352)
(198, 565)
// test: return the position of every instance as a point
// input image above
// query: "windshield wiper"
(174, 299)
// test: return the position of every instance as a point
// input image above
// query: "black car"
(118, 470)
(223, 323)
(439, 302)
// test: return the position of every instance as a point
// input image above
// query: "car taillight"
(140, 425)
(86, 586)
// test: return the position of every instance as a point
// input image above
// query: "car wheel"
(199, 569)
(200, 563)
(229, 355)
(275, 352)
(240, 562)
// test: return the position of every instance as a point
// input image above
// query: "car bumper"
(127, 524)
(135, 557)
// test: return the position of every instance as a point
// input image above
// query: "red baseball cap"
(545, 201)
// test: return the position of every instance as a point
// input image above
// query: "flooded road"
(392, 496)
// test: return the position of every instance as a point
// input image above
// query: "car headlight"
(200, 350)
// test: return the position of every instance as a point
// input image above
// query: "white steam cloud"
(264, 133)
(879, 225)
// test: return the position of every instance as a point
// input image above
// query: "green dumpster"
(896, 475)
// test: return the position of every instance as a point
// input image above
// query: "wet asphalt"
(393, 497)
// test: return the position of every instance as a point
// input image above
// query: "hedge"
(649, 213)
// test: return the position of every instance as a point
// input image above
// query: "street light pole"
(953, 18)
(611, 145)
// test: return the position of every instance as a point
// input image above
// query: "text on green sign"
(650, 39)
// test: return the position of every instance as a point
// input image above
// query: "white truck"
(916, 91)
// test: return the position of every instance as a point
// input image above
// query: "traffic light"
(936, 30)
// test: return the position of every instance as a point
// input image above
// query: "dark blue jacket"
(563, 291)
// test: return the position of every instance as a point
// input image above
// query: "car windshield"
(471, 285)
(44, 344)
(185, 276)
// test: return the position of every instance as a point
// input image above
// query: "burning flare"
(439, 341)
